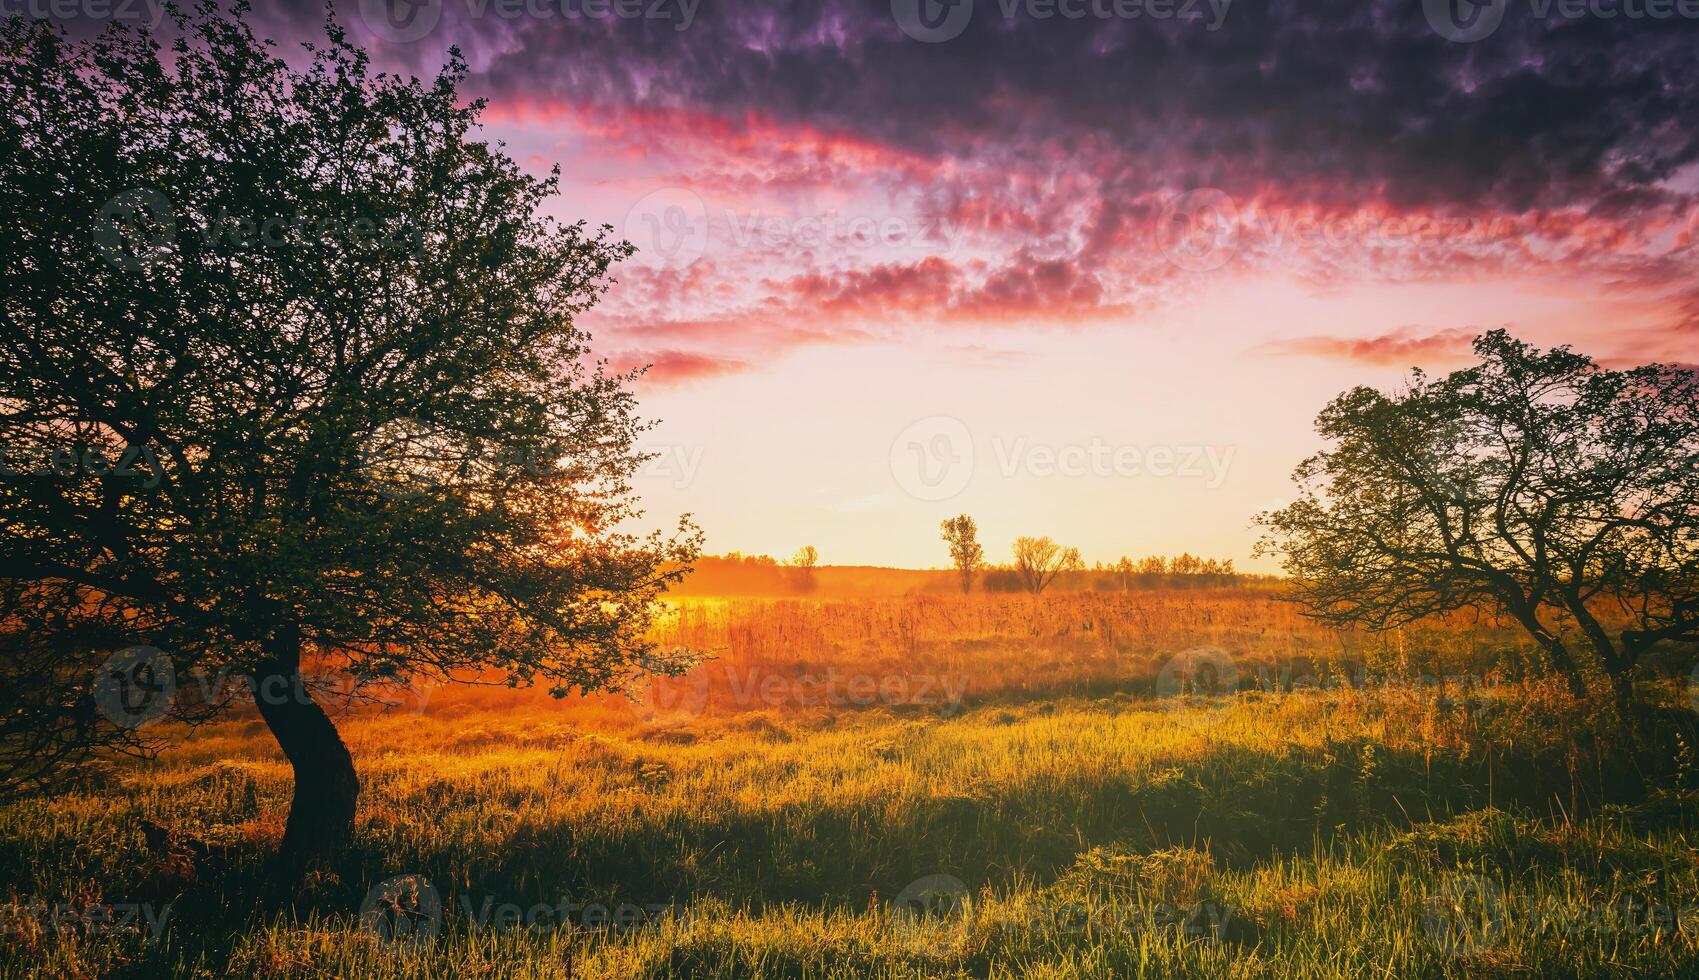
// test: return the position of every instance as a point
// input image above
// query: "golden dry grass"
(752, 826)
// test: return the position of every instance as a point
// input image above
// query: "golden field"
(1086, 784)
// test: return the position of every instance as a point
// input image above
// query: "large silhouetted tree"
(344, 329)
(1535, 482)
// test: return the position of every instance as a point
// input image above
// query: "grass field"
(934, 786)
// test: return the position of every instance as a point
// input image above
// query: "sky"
(1078, 268)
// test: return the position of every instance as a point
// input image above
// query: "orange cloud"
(1403, 347)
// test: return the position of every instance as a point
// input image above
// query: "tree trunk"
(1566, 664)
(321, 813)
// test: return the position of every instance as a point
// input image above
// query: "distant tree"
(1039, 560)
(345, 327)
(965, 552)
(1535, 483)
(1124, 571)
(1001, 579)
(803, 564)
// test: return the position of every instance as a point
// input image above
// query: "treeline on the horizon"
(735, 573)
(1185, 571)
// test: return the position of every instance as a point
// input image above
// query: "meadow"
(1151, 783)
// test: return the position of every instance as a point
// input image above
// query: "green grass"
(1298, 835)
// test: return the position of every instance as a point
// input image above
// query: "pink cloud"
(671, 367)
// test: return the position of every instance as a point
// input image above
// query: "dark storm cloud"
(1339, 97)
(1344, 97)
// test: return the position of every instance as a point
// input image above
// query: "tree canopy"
(1535, 482)
(344, 328)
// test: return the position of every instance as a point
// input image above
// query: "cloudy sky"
(1085, 268)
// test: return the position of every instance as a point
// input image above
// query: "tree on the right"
(1535, 483)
